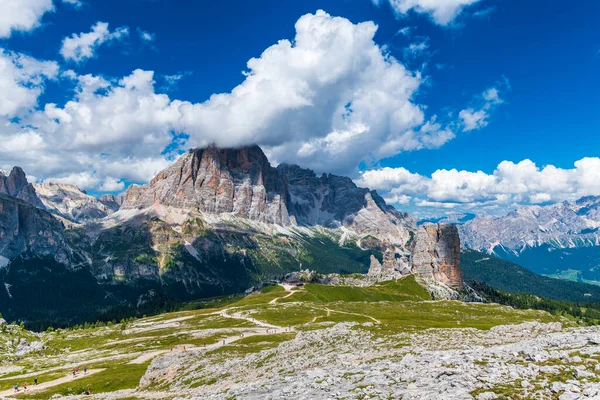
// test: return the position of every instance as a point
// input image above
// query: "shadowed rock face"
(111, 201)
(25, 228)
(331, 200)
(436, 254)
(15, 185)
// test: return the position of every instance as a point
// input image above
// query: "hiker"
(25, 387)
(16, 387)
(35, 381)
(85, 370)
(184, 349)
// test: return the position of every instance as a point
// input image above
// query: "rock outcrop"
(333, 201)
(14, 184)
(393, 266)
(436, 254)
(111, 201)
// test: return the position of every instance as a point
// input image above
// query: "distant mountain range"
(560, 240)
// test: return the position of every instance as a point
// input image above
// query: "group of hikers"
(76, 372)
(16, 386)
(35, 381)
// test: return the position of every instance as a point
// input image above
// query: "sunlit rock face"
(436, 254)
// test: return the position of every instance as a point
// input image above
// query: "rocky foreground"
(349, 361)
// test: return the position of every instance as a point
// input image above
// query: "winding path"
(288, 288)
(45, 385)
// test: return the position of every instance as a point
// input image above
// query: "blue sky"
(476, 86)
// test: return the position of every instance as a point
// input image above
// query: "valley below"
(387, 340)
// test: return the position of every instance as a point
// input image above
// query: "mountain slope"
(509, 277)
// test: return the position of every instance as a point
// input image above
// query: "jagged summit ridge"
(567, 224)
(15, 184)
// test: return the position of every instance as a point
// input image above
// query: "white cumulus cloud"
(22, 81)
(510, 184)
(110, 131)
(329, 98)
(22, 15)
(473, 119)
(146, 36)
(442, 12)
(74, 3)
(80, 47)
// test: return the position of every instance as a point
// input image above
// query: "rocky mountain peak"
(15, 185)
(239, 181)
(242, 182)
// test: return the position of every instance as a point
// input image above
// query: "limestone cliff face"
(15, 185)
(112, 202)
(237, 181)
(436, 254)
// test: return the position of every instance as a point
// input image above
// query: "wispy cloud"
(80, 47)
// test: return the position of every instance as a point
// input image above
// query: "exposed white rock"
(347, 361)
(70, 202)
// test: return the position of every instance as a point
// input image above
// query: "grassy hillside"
(510, 277)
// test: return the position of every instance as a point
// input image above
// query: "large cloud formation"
(510, 184)
(328, 99)
(331, 97)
